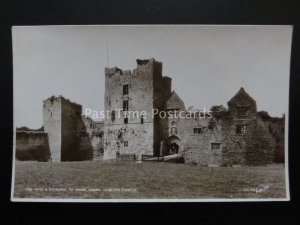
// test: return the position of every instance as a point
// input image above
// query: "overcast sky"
(207, 64)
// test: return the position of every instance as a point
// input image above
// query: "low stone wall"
(33, 146)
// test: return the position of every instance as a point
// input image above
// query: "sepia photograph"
(151, 113)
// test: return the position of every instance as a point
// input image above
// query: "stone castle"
(236, 135)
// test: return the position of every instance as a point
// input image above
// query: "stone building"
(143, 89)
(236, 134)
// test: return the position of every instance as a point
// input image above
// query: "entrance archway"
(174, 148)
(173, 144)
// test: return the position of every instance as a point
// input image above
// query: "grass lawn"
(106, 180)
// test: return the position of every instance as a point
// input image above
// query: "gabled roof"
(174, 102)
(241, 99)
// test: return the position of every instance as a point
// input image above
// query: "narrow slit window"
(125, 89)
(113, 116)
(125, 105)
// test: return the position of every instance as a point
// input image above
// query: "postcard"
(151, 113)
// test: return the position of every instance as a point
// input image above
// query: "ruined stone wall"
(62, 122)
(236, 144)
(52, 126)
(139, 139)
(161, 92)
(32, 145)
(277, 128)
(72, 147)
(260, 145)
(92, 136)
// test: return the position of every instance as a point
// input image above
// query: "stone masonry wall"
(92, 136)
(62, 122)
(196, 148)
(139, 139)
(161, 92)
(263, 141)
(141, 97)
(52, 126)
(72, 148)
(31, 145)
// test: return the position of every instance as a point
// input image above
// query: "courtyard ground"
(115, 180)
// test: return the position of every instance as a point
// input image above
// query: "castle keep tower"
(141, 90)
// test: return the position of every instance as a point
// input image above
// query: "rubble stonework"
(146, 89)
(237, 135)
(72, 137)
(32, 144)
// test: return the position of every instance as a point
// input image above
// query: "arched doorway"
(173, 145)
(174, 148)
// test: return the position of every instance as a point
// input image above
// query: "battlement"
(142, 64)
(146, 62)
(112, 71)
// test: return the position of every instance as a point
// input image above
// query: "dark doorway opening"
(174, 148)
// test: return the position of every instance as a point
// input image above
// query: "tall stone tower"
(61, 118)
(141, 90)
